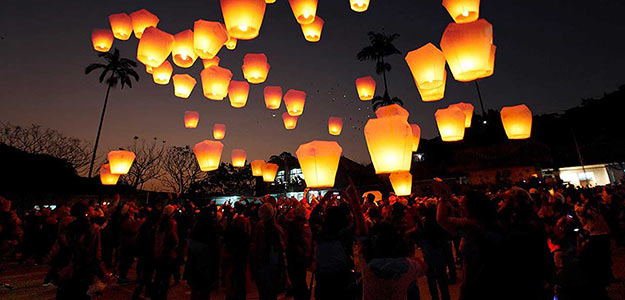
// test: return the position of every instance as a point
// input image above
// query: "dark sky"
(550, 54)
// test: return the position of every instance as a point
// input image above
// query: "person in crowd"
(236, 250)
(202, 268)
(298, 252)
(165, 252)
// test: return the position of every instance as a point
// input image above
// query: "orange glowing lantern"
(335, 125)
(416, 136)
(402, 183)
(255, 67)
(121, 25)
(467, 48)
(427, 65)
(183, 85)
(319, 161)
(231, 43)
(208, 154)
(304, 10)
(290, 122)
(365, 87)
(269, 172)
(359, 5)
(149, 69)
(312, 31)
(215, 82)
(238, 92)
(294, 101)
(393, 110)
(141, 20)
(162, 73)
(102, 39)
(463, 11)
(243, 18)
(490, 70)
(238, 158)
(191, 118)
(270, 1)
(208, 38)
(257, 167)
(182, 53)
(154, 47)
(450, 122)
(467, 109)
(273, 97)
(120, 161)
(517, 121)
(211, 62)
(106, 178)
(219, 131)
(389, 140)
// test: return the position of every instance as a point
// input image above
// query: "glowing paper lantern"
(210, 62)
(294, 101)
(269, 172)
(490, 70)
(255, 67)
(215, 82)
(231, 43)
(154, 47)
(102, 39)
(416, 136)
(191, 118)
(335, 125)
(312, 31)
(208, 154)
(304, 10)
(182, 53)
(517, 121)
(238, 92)
(290, 122)
(402, 183)
(319, 161)
(141, 20)
(208, 38)
(467, 48)
(389, 140)
(219, 131)
(120, 161)
(162, 73)
(183, 85)
(121, 25)
(463, 11)
(450, 122)
(359, 5)
(365, 87)
(427, 65)
(257, 167)
(243, 18)
(393, 110)
(270, 1)
(106, 178)
(273, 97)
(238, 158)
(149, 69)
(467, 109)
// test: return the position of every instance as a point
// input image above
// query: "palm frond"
(92, 67)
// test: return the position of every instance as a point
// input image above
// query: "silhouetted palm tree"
(381, 46)
(119, 70)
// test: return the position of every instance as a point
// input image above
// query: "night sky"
(550, 54)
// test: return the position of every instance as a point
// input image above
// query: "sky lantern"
(154, 47)
(312, 31)
(231, 43)
(490, 70)
(273, 97)
(402, 183)
(215, 82)
(294, 101)
(270, 1)
(182, 53)
(208, 38)
(290, 122)
(210, 62)
(427, 65)
(191, 118)
(335, 125)
(106, 178)
(219, 131)
(467, 109)
(238, 158)
(450, 122)
(121, 25)
(463, 11)
(257, 167)
(517, 121)
(269, 172)
(208, 154)
(120, 161)
(304, 10)
(162, 73)
(141, 20)
(102, 39)
(149, 69)
(416, 136)
(319, 161)
(392, 111)
(238, 92)
(255, 67)
(365, 87)
(183, 85)
(467, 49)
(243, 18)
(389, 140)
(359, 5)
